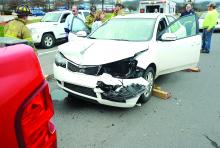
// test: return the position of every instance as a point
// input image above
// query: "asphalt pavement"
(189, 119)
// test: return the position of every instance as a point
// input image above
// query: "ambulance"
(157, 6)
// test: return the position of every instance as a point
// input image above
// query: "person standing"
(208, 26)
(188, 10)
(99, 19)
(17, 29)
(118, 10)
(69, 19)
(91, 17)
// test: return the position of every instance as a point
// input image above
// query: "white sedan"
(117, 64)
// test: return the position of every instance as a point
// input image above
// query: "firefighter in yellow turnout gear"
(17, 29)
(91, 17)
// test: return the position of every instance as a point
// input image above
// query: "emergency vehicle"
(160, 6)
(26, 107)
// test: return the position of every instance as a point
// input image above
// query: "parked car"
(117, 64)
(202, 17)
(37, 12)
(26, 108)
(84, 14)
(50, 29)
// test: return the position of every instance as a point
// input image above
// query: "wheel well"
(153, 66)
(49, 33)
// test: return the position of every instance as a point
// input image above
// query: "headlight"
(60, 60)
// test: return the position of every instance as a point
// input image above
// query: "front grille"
(90, 70)
(80, 89)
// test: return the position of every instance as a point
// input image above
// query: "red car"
(26, 108)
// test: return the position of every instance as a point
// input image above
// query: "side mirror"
(81, 34)
(168, 37)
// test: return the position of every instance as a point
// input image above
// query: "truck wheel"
(48, 40)
(149, 75)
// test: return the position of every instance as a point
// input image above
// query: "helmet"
(23, 10)
(93, 8)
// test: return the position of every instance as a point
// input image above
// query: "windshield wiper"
(120, 39)
(91, 37)
(47, 21)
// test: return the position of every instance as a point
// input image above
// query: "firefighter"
(17, 29)
(91, 18)
(119, 10)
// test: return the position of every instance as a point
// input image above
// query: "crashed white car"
(117, 64)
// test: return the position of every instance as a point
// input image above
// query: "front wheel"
(48, 40)
(149, 75)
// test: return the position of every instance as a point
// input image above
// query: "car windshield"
(51, 17)
(126, 29)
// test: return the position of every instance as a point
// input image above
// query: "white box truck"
(161, 6)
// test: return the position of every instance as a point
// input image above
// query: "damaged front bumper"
(104, 88)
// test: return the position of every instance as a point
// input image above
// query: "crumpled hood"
(85, 51)
(42, 25)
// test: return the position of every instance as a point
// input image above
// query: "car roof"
(80, 10)
(61, 11)
(142, 15)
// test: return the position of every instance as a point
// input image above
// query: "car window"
(51, 17)
(184, 27)
(129, 29)
(170, 18)
(161, 25)
(63, 19)
(78, 25)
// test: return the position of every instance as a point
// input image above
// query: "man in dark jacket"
(188, 10)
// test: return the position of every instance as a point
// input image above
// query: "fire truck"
(157, 6)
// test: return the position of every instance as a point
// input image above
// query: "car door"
(60, 27)
(178, 46)
(77, 26)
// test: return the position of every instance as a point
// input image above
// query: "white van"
(160, 6)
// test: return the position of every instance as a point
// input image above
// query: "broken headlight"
(60, 60)
(126, 68)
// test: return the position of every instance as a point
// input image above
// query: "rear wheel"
(48, 40)
(149, 75)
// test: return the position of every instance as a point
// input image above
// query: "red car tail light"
(141, 10)
(35, 128)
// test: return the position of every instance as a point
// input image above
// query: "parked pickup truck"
(26, 108)
(51, 28)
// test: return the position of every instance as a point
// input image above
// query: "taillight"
(36, 126)
(141, 10)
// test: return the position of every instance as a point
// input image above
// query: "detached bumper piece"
(120, 93)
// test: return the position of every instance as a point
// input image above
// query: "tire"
(149, 75)
(47, 41)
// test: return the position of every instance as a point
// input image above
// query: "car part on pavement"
(157, 92)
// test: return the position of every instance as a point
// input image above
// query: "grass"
(1, 31)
